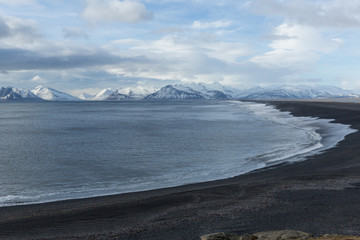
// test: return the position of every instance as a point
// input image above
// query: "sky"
(87, 45)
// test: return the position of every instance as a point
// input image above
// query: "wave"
(322, 133)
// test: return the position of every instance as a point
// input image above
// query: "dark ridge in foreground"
(276, 235)
(320, 195)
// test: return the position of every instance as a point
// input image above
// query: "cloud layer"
(296, 47)
(111, 43)
(323, 13)
(99, 11)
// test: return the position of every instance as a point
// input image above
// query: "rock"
(283, 235)
(337, 237)
(276, 235)
(225, 236)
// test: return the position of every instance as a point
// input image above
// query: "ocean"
(64, 150)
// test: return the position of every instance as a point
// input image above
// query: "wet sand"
(320, 195)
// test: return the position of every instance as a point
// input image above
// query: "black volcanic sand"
(320, 195)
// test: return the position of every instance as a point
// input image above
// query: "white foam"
(331, 135)
(333, 132)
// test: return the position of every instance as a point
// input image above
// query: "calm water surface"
(62, 150)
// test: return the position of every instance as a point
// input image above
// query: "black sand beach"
(320, 195)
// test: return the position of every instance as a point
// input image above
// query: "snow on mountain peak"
(182, 91)
(10, 93)
(138, 92)
(51, 94)
(85, 96)
(103, 94)
(128, 93)
(300, 92)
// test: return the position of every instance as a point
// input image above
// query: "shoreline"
(330, 133)
(277, 197)
(321, 135)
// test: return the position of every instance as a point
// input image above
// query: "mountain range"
(179, 92)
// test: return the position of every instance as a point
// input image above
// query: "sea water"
(63, 150)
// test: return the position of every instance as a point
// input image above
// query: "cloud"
(127, 42)
(296, 47)
(20, 2)
(168, 30)
(16, 30)
(20, 59)
(4, 29)
(189, 58)
(74, 32)
(38, 79)
(213, 25)
(183, 58)
(100, 11)
(321, 13)
(194, 41)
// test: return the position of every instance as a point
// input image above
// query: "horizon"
(84, 46)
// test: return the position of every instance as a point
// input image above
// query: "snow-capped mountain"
(85, 96)
(218, 91)
(170, 92)
(117, 96)
(209, 90)
(206, 91)
(103, 94)
(10, 93)
(300, 92)
(181, 92)
(136, 93)
(50, 94)
(193, 91)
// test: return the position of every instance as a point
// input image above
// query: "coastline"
(323, 187)
(329, 132)
(297, 138)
